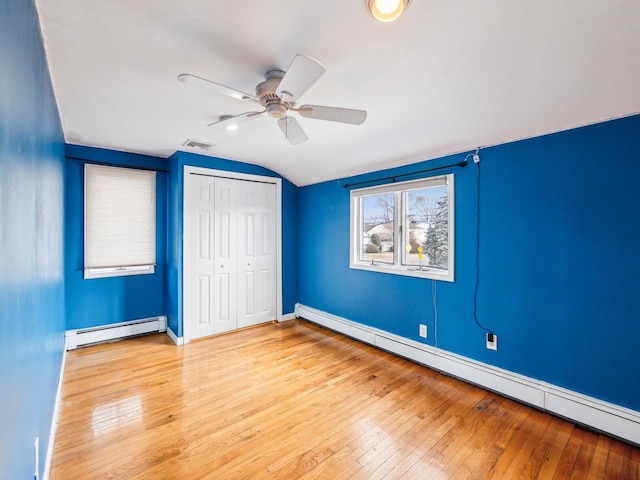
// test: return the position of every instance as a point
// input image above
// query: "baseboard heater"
(114, 331)
(591, 412)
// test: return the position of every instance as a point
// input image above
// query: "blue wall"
(558, 263)
(289, 230)
(31, 242)
(102, 301)
(110, 300)
(558, 260)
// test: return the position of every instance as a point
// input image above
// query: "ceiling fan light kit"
(278, 95)
(386, 10)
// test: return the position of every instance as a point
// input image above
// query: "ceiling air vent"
(196, 145)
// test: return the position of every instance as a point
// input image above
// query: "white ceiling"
(448, 76)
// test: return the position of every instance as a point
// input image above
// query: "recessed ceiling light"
(386, 10)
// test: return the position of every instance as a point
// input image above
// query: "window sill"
(413, 271)
(90, 273)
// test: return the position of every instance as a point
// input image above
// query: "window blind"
(120, 221)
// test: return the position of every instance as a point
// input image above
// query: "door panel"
(247, 210)
(198, 299)
(223, 313)
(249, 234)
(204, 301)
(225, 255)
(267, 254)
(204, 235)
(248, 287)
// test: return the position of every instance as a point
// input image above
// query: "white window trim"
(90, 273)
(356, 220)
(100, 271)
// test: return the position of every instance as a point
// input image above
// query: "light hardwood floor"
(296, 401)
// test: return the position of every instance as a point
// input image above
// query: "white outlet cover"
(492, 345)
(423, 331)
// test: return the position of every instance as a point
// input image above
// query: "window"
(405, 228)
(119, 221)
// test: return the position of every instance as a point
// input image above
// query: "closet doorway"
(231, 251)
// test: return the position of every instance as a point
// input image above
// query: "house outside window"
(405, 228)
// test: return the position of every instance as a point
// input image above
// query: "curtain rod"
(113, 164)
(394, 177)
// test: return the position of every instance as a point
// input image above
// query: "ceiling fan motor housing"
(266, 92)
(277, 110)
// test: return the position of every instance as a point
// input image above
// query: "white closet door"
(256, 253)
(198, 296)
(247, 261)
(230, 254)
(225, 256)
(266, 251)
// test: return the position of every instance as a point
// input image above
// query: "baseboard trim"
(174, 338)
(286, 317)
(590, 412)
(114, 331)
(54, 418)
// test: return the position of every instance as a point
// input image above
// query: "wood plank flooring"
(296, 401)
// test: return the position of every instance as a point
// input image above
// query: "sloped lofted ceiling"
(448, 76)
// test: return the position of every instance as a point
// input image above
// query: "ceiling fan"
(278, 95)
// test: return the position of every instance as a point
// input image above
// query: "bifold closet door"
(256, 252)
(232, 254)
(225, 314)
(199, 281)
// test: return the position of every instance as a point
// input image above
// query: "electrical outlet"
(423, 331)
(492, 341)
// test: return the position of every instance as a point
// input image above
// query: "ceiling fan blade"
(229, 120)
(292, 130)
(302, 73)
(216, 87)
(333, 114)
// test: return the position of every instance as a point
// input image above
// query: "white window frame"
(119, 222)
(400, 239)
